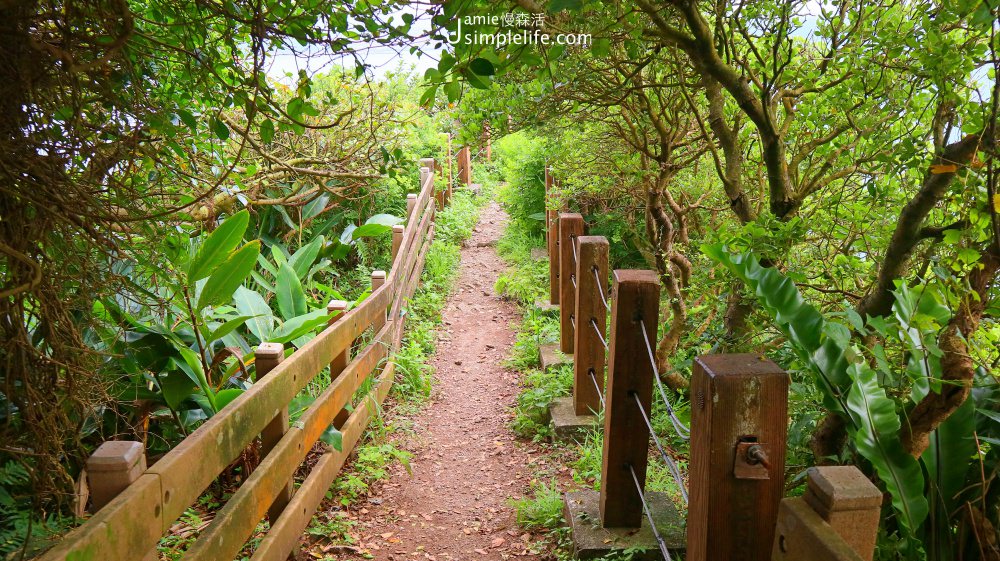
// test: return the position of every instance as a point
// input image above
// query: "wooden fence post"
(339, 362)
(465, 166)
(411, 203)
(739, 421)
(552, 233)
(630, 376)
(378, 279)
(267, 357)
(450, 166)
(114, 466)
(570, 228)
(440, 195)
(836, 520)
(591, 323)
(397, 240)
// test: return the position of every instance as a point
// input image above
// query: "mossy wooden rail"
(132, 524)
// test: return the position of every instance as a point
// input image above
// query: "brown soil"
(467, 464)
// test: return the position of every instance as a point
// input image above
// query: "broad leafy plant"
(872, 386)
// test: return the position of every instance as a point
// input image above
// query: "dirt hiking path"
(467, 463)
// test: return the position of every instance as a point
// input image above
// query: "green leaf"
(298, 326)
(260, 321)
(600, 47)
(192, 367)
(876, 436)
(370, 231)
(291, 297)
(225, 397)
(218, 245)
(220, 129)
(560, 5)
(188, 119)
(267, 131)
(175, 386)
(377, 225)
(229, 276)
(947, 461)
(849, 389)
(303, 259)
(226, 328)
(333, 437)
(482, 67)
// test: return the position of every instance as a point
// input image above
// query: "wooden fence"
(131, 525)
(739, 419)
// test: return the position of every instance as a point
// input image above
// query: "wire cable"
(600, 289)
(649, 516)
(682, 431)
(597, 330)
(593, 378)
(572, 245)
(671, 464)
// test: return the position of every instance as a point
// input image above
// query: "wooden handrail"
(133, 523)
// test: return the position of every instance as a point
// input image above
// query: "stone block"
(591, 541)
(566, 424)
(551, 356)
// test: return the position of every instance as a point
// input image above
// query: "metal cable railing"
(593, 378)
(597, 330)
(649, 516)
(600, 288)
(671, 464)
(682, 430)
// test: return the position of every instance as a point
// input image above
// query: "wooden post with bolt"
(552, 233)
(570, 228)
(630, 377)
(739, 423)
(591, 323)
(378, 279)
(337, 309)
(267, 357)
(397, 240)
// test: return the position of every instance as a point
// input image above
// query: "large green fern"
(848, 385)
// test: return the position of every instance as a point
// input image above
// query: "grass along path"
(454, 501)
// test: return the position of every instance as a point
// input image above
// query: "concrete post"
(115, 465)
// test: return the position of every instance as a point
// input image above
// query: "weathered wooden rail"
(130, 526)
(739, 420)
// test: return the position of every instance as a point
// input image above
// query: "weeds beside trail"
(526, 280)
